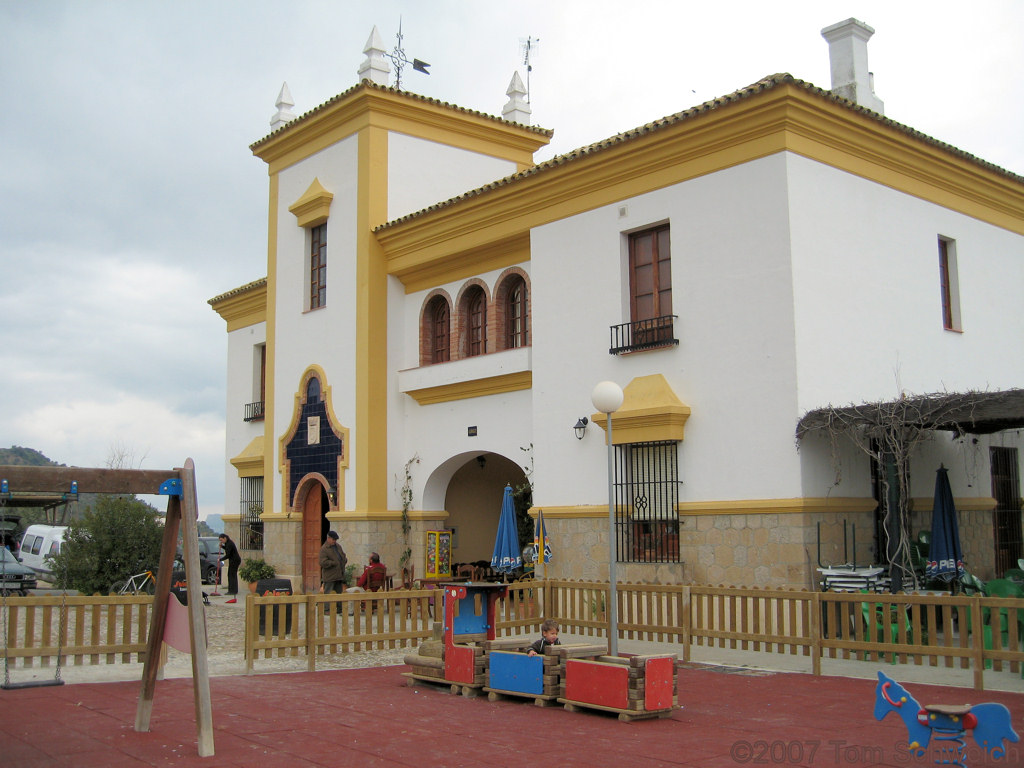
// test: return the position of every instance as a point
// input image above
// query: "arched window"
(438, 318)
(313, 390)
(516, 320)
(476, 322)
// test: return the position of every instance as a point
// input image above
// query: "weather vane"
(399, 60)
(529, 45)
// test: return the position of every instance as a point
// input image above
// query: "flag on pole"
(540, 539)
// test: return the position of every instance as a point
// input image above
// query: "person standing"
(332, 564)
(229, 552)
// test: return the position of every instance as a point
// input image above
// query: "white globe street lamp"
(607, 398)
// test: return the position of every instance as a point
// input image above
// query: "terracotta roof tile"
(255, 284)
(371, 86)
(762, 85)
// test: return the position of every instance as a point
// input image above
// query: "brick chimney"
(848, 57)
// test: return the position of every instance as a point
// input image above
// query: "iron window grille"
(646, 495)
(251, 532)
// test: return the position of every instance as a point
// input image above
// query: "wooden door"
(312, 523)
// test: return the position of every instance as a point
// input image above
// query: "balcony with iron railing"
(253, 411)
(643, 334)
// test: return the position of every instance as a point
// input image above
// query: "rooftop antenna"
(529, 46)
(399, 60)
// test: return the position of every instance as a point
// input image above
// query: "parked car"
(38, 543)
(15, 578)
(209, 557)
(10, 532)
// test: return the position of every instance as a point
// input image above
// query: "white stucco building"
(437, 310)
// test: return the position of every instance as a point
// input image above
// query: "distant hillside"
(26, 457)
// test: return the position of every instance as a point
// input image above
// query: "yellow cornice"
(249, 462)
(787, 117)
(243, 307)
(366, 106)
(650, 412)
(463, 390)
(313, 208)
(458, 266)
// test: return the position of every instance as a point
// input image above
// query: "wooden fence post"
(815, 628)
(684, 615)
(311, 637)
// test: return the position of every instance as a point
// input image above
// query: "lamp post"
(607, 398)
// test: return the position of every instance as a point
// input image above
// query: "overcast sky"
(130, 197)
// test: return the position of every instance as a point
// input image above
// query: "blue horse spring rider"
(945, 724)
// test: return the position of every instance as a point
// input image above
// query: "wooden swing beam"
(179, 485)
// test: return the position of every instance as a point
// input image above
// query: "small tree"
(117, 539)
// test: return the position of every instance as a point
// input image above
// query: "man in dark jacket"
(332, 564)
(230, 553)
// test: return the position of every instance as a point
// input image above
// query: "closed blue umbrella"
(945, 558)
(507, 555)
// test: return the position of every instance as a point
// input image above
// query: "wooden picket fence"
(80, 630)
(975, 633)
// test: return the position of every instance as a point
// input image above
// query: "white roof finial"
(517, 110)
(284, 104)
(376, 68)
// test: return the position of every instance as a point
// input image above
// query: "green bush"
(118, 538)
(253, 570)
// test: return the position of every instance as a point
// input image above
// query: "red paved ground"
(369, 717)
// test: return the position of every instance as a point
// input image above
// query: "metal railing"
(253, 411)
(643, 334)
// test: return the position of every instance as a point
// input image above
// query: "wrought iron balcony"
(643, 334)
(254, 411)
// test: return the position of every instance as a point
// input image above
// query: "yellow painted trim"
(242, 308)
(464, 390)
(339, 430)
(968, 504)
(313, 208)
(270, 469)
(733, 507)
(371, 294)
(580, 511)
(226, 518)
(650, 412)
(365, 106)
(391, 514)
(459, 266)
(783, 118)
(848, 505)
(249, 463)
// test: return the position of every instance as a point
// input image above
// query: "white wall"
(734, 365)
(866, 283)
(239, 434)
(324, 336)
(422, 173)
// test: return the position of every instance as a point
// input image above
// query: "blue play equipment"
(945, 724)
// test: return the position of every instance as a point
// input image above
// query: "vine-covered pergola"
(889, 431)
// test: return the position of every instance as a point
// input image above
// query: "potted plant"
(254, 569)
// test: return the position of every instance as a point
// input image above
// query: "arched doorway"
(314, 507)
(473, 501)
